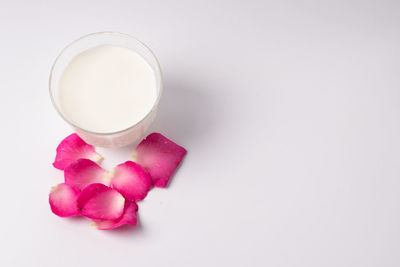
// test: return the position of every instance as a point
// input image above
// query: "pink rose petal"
(160, 157)
(100, 202)
(131, 180)
(129, 217)
(84, 172)
(63, 200)
(72, 148)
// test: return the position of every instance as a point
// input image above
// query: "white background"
(289, 110)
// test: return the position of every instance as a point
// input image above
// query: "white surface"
(107, 89)
(289, 111)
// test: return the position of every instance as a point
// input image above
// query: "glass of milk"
(107, 86)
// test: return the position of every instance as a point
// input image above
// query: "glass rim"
(158, 75)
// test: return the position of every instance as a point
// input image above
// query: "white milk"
(107, 89)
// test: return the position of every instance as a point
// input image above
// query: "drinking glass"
(123, 137)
